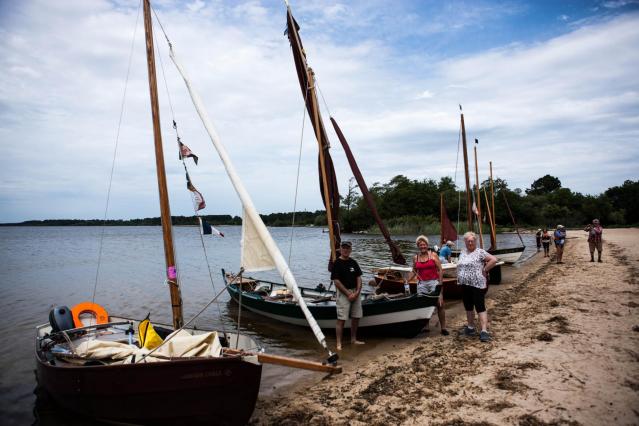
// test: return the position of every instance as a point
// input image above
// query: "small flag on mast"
(196, 194)
(475, 209)
(207, 229)
(186, 152)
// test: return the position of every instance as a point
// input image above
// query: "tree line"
(410, 206)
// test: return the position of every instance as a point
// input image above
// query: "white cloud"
(567, 107)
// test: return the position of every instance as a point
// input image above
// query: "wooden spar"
(469, 209)
(289, 362)
(493, 239)
(441, 219)
(481, 236)
(492, 208)
(167, 232)
(327, 198)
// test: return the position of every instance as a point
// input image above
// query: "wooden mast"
(481, 237)
(492, 208)
(441, 219)
(167, 232)
(469, 209)
(327, 197)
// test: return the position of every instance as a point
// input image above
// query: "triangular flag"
(207, 229)
(186, 152)
(196, 194)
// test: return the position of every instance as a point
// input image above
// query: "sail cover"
(299, 57)
(255, 256)
(249, 210)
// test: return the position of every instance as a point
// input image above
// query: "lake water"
(52, 266)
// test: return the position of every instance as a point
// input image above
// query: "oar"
(288, 362)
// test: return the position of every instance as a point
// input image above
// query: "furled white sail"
(255, 256)
(249, 210)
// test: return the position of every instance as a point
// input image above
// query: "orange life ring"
(100, 314)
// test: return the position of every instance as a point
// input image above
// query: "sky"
(548, 87)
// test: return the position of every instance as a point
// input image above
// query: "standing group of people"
(473, 266)
(595, 242)
(472, 275)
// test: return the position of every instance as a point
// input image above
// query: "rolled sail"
(254, 224)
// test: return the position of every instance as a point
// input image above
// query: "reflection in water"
(52, 266)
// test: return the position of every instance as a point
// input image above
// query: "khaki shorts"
(347, 309)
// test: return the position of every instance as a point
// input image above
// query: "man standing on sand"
(594, 239)
(347, 277)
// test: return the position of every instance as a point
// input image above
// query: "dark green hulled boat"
(396, 315)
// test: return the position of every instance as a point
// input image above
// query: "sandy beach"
(565, 350)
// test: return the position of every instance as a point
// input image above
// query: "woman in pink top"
(428, 270)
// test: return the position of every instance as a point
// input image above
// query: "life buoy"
(98, 312)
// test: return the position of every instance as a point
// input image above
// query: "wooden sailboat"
(382, 313)
(502, 255)
(100, 370)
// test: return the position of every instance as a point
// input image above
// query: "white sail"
(249, 210)
(255, 256)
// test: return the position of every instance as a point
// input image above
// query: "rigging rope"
(115, 151)
(297, 181)
(193, 200)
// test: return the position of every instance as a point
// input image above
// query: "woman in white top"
(472, 270)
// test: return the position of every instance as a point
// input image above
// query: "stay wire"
(297, 181)
(115, 151)
(194, 202)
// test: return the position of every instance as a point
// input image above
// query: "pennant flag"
(475, 209)
(185, 152)
(207, 229)
(149, 338)
(196, 194)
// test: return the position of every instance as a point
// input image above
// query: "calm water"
(51, 266)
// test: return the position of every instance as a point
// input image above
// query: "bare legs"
(483, 319)
(354, 325)
(339, 331)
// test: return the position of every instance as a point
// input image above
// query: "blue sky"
(547, 87)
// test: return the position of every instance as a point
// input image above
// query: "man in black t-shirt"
(347, 277)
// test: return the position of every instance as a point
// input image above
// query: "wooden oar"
(288, 362)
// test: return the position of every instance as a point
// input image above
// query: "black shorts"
(474, 298)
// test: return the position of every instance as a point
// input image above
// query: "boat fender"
(61, 319)
(97, 311)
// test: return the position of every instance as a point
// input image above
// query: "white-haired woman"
(428, 269)
(472, 270)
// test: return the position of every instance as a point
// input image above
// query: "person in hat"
(446, 252)
(560, 240)
(347, 277)
(595, 232)
(538, 239)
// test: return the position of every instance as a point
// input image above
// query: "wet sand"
(565, 350)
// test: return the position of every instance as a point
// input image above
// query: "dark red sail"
(448, 231)
(299, 56)
(395, 251)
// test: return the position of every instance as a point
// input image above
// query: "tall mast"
(468, 206)
(318, 136)
(492, 208)
(481, 237)
(167, 231)
(442, 241)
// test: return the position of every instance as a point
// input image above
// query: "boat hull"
(404, 316)
(218, 390)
